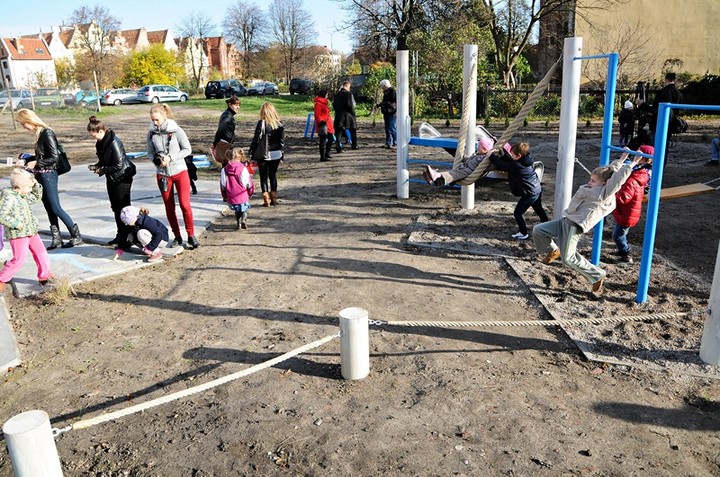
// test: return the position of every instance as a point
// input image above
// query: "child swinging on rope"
(587, 207)
(440, 179)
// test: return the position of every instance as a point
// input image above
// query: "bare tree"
(293, 29)
(197, 26)
(244, 25)
(96, 28)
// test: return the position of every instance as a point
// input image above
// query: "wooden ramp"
(683, 191)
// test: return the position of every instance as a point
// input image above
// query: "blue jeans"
(715, 145)
(390, 129)
(51, 199)
(620, 238)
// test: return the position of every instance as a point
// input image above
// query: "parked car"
(301, 86)
(48, 97)
(156, 93)
(263, 89)
(20, 98)
(224, 89)
(119, 96)
(84, 98)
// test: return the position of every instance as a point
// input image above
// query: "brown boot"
(273, 198)
(266, 199)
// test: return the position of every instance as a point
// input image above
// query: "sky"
(25, 17)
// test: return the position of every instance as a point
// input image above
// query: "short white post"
(470, 52)
(569, 105)
(31, 445)
(710, 344)
(354, 343)
(402, 68)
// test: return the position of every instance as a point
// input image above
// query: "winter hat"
(385, 83)
(129, 214)
(629, 104)
(649, 150)
(486, 143)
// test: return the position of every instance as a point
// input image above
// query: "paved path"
(83, 195)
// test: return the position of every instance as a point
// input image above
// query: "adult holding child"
(167, 146)
(267, 149)
(225, 134)
(118, 170)
(44, 165)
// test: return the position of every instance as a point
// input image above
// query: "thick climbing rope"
(194, 390)
(485, 166)
(546, 323)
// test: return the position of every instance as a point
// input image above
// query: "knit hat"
(385, 83)
(486, 143)
(649, 150)
(129, 214)
(629, 104)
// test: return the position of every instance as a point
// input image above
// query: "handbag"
(62, 165)
(261, 150)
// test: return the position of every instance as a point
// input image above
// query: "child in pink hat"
(434, 177)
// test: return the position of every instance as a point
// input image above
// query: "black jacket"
(388, 106)
(157, 229)
(112, 160)
(344, 106)
(226, 127)
(668, 94)
(276, 137)
(46, 151)
(522, 178)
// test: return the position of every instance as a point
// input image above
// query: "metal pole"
(470, 55)
(402, 63)
(354, 343)
(31, 445)
(568, 124)
(710, 344)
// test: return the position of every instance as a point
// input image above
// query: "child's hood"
(169, 125)
(321, 100)
(234, 169)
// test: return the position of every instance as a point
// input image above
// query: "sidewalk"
(83, 195)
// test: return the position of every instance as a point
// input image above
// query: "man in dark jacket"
(344, 106)
(668, 94)
(388, 108)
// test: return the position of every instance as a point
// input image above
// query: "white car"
(157, 93)
(116, 97)
(21, 98)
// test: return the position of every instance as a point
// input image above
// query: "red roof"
(26, 49)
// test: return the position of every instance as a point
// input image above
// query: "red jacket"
(629, 199)
(322, 113)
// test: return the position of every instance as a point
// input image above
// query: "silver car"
(21, 98)
(156, 93)
(263, 89)
(116, 97)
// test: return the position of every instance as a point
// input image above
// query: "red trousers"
(181, 183)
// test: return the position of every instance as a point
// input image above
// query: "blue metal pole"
(606, 143)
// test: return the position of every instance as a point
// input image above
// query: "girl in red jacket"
(324, 125)
(629, 203)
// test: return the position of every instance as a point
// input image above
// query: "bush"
(507, 104)
(590, 106)
(547, 106)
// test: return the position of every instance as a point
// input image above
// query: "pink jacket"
(236, 185)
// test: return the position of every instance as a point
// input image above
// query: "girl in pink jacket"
(236, 186)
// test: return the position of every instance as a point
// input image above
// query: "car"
(263, 89)
(85, 98)
(119, 96)
(48, 97)
(301, 86)
(20, 98)
(224, 89)
(156, 93)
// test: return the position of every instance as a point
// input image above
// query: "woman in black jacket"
(44, 165)
(225, 133)
(114, 164)
(267, 149)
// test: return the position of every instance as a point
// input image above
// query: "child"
(150, 233)
(629, 203)
(627, 124)
(192, 172)
(524, 183)
(436, 178)
(236, 186)
(21, 226)
(587, 207)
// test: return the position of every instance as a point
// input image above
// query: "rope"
(548, 323)
(465, 120)
(485, 165)
(200, 388)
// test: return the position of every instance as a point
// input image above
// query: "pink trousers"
(20, 247)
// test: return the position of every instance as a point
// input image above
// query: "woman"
(324, 125)
(114, 164)
(43, 164)
(167, 146)
(270, 131)
(226, 131)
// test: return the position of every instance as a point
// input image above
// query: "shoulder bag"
(261, 150)
(63, 165)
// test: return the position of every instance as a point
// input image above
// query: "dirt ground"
(510, 401)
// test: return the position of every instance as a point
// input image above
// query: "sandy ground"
(481, 401)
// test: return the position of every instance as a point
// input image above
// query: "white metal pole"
(470, 55)
(354, 343)
(402, 68)
(710, 344)
(569, 105)
(31, 445)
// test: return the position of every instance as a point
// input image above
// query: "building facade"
(26, 63)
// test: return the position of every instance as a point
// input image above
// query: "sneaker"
(156, 256)
(597, 286)
(520, 236)
(627, 258)
(193, 242)
(49, 280)
(551, 257)
(430, 175)
(712, 163)
(243, 225)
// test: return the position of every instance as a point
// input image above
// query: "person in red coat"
(324, 125)
(629, 203)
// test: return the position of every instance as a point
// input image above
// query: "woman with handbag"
(225, 134)
(167, 146)
(44, 165)
(118, 170)
(267, 149)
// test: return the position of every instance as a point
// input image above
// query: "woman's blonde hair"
(163, 109)
(28, 116)
(238, 155)
(269, 114)
(19, 178)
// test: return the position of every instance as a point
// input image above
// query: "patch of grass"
(61, 290)
(287, 106)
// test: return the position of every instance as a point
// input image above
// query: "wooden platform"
(683, 191)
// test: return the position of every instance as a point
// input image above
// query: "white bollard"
(8, 161)
(31, 445)
(710, 344)
(354, 343)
